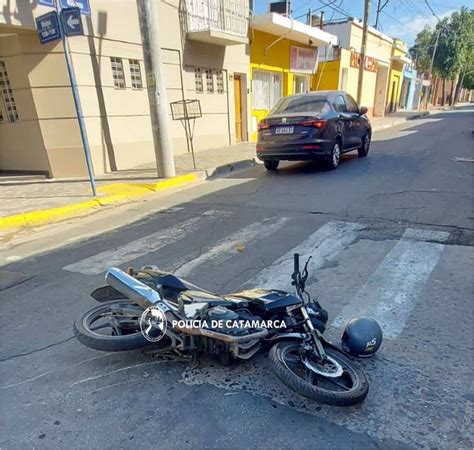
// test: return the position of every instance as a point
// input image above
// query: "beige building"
(339, 67)
(205, 56)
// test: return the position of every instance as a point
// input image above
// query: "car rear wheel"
(271, 165)
(335, 158)
(363, 150)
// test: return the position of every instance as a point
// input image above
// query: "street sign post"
(83, 5)
(72, 23)
(48, 27)
(72, 18)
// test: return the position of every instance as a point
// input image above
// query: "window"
(266, 89)
(301, 84)
(351, 104)
(135, 74)
(209, 80)
(339, 104)
(306, 103)
(198, 79)
(117, 73)
(220, 82)
(7, 95)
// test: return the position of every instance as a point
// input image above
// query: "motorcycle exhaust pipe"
(132, 288)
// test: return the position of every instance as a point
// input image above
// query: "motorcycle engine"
(221, 319)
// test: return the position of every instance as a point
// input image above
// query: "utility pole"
(363, 47)
(431, 67)
(157, 98)
(378, 11)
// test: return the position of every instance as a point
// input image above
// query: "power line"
(431, 9)
(396, 20)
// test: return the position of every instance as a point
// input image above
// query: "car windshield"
(303, 103)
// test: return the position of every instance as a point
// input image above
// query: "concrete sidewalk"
(34, 201)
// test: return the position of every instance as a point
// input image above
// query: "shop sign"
(303, 60)
(371, 64)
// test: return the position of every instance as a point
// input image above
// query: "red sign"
(371, 64)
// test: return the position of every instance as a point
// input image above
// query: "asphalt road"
(392, 236)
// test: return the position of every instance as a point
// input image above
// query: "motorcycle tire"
(356, 392)
(108, 343)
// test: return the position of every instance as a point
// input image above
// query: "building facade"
(407, 95)
(205, 56)
(338, 67)
(398, 61)
(283, 61)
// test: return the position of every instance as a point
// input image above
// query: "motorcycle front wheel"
(112, 327)
(339, 382)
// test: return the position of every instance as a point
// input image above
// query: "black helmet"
(362, 337)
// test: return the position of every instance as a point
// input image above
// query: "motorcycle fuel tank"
(271, 300)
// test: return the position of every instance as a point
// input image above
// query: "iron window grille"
(209, 80)
(220, 81)
(135, 74)
(118, 73)
(198, 80)
(7, 95)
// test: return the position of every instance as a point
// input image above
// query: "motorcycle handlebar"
(296, 262)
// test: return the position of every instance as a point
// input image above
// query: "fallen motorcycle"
(151, 307)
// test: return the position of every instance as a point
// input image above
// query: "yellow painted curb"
(112, 193)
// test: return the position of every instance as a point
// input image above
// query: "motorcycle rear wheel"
(105, 318)
(349, 388)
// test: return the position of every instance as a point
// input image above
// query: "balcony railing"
(228, 18)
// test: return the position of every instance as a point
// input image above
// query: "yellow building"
(283, 58)
(338, 68)
(399, 59)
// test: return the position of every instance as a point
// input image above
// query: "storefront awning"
(402, 59)
(283, 26)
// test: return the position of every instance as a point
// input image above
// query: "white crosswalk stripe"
(388, 294)
(226, 247)
(100, 262)
(323, 245)
(391, 292)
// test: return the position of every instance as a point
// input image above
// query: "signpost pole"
(77, 101)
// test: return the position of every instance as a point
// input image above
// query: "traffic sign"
(48, 28)
(72, 23)
(46, 3)
(83, 5)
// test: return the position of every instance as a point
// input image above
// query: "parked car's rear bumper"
(293, 152)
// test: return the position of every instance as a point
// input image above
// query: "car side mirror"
(363, 110)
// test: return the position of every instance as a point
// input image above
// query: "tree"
(456, 35)
(454, 49)
(422, 51)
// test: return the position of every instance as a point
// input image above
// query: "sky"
(401, 19)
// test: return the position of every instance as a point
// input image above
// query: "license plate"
(284, 130)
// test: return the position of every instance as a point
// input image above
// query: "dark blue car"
(320, 125)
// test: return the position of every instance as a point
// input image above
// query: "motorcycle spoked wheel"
(113, 327)
(348, 388)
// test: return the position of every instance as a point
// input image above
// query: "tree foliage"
(422, 51)
(455, 45)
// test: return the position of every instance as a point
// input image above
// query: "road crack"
(8, 358)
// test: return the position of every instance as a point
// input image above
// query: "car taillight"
(263, 126)
(314, 123)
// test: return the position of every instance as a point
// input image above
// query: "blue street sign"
(47, 26)
(83, 5)
(46, 3)
(72, 23)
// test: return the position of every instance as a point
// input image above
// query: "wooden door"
(238, 108)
